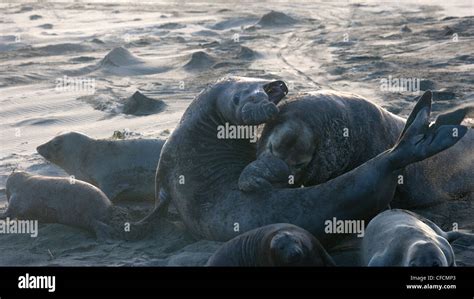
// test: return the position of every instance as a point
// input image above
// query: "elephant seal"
(324, 134)
(274, 245)
(122, 169)
(58, 200)
(402, 238)
(321, 135)
(199, 172)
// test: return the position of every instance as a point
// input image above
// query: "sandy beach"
(76, 66)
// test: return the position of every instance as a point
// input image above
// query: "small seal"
(402, 238)
(274, 245)
(122, 169)
(58, 200)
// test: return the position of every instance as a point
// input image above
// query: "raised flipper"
(263, 173)
(454, 117)
(419, 140)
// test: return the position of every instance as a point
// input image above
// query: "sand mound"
(137, 104)
(140, 105)
(46, 26)
(276, 19)
(121, 62)
(232, 23)
(247, 54)
(120, 57)
(199, 61)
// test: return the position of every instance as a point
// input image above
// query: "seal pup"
(274, 245)
(122, 169)
(200, 172)
(402, 238)
(58, 200)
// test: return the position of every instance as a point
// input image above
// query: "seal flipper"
(141, 228)
(419, 141)
(264, 172)
(454, 117)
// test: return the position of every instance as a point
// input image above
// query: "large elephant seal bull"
(199, 172)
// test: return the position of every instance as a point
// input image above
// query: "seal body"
(402, 238)
(122, 169)
(324, 134)
(57, 200)
(321, 135)
(200, 172)
(272, 246)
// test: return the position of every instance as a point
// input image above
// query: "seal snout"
(42, 150)
(276, 91)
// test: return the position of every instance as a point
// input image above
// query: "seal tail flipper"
(454, 117)
(419, 140)
(140, 229)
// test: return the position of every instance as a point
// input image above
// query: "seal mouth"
(275, 91)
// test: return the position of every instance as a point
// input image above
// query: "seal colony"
(227, 188)
(208, 198)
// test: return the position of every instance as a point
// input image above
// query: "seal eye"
(236, 99)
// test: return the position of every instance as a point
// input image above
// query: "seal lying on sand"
(122, 169)
(199, 172)
(272, 245)
(324, 134)
(58, 200)
(403, 238)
